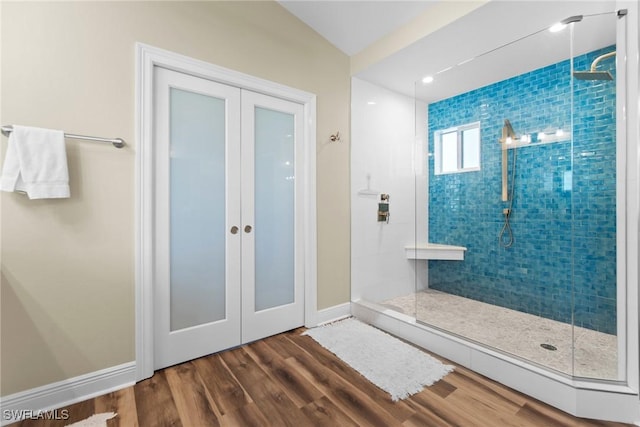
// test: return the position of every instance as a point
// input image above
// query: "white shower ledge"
(435, 251)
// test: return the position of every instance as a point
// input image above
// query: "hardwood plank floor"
(290, 380)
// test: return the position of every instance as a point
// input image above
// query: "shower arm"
(600, 58)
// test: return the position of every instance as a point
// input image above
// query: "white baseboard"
(62, 393)
(331, 314)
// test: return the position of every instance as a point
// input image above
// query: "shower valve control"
(383, 208)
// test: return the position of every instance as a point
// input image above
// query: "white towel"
(36, 163)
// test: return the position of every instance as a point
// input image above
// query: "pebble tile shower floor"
(517, 333)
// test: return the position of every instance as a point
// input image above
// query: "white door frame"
(148, 57)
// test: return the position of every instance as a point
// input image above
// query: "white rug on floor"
(96, 420)
(393, 365)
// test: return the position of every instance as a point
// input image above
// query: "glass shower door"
(598, 213)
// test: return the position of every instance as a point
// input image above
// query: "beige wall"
(67, 290)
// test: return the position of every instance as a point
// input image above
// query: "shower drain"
(549, 347)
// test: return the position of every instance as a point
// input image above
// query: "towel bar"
(117, 142)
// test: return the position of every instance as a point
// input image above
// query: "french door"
(227, 229)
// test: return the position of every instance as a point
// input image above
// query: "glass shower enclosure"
(536, 210)
(504, 185)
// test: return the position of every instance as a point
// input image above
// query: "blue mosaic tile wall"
(562, 264)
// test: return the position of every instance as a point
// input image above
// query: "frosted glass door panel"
(197, 205)
(272, 247)
(274, 208)
(196, 180)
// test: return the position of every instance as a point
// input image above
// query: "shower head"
(593, 74)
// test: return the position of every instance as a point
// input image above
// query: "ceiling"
(490, 44)
(351, 26)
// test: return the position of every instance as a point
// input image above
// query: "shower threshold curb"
(588, 399)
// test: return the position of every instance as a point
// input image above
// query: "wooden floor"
(290, 380)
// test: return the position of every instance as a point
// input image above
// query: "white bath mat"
(96, 420)
(393, 365)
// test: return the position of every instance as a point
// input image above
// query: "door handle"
(234, 230)
(247, 229)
